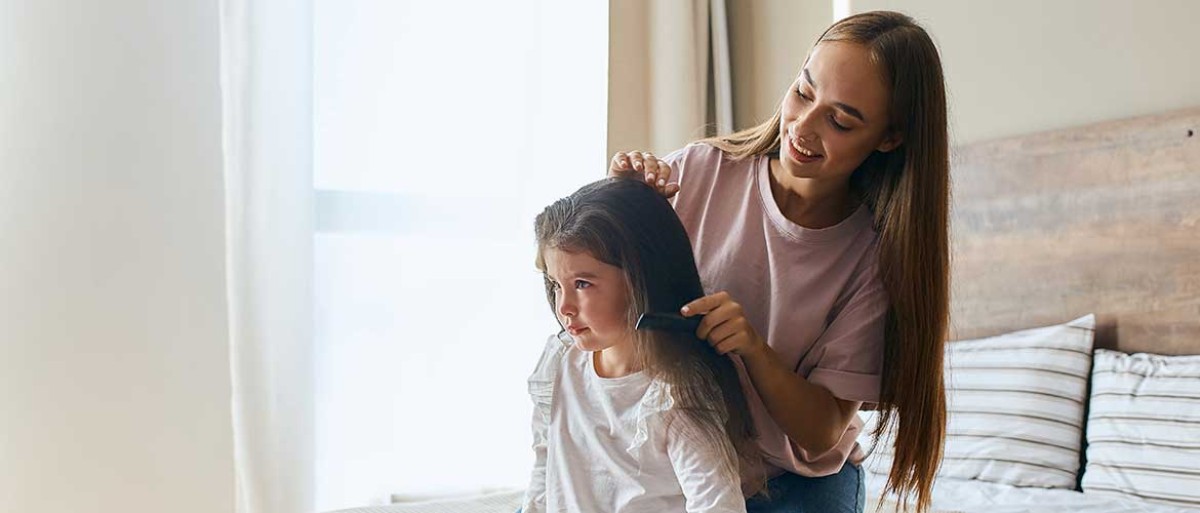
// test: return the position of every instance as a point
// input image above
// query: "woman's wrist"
(759, 351)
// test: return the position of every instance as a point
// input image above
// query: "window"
(442, 129)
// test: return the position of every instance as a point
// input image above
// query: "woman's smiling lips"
(801, 154)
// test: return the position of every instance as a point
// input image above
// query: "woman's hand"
(654, 172)
(724, 326)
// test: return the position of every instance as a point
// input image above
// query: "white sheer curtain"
(442, 128)
(266, 80)
(384, 162)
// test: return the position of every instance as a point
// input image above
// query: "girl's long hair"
(626, 224)
(908, 189)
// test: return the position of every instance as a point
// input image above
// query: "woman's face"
(591, 299)
(835, 115)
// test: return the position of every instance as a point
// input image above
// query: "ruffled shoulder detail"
(545, 375)
(658, 400)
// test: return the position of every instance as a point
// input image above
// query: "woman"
(821, 239)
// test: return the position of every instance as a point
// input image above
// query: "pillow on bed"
(1143, 436)
(1015, 406)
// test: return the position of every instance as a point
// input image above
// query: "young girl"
(630, 421)
(821, 236)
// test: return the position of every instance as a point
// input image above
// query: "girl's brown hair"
(908, 189)
(626, 224)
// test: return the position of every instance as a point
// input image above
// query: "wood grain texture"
(1100, 219)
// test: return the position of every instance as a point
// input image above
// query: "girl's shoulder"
(550, 363)
(654, 410)
(545, 375)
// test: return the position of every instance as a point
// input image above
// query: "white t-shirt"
(603, 444)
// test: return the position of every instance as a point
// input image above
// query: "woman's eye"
(580, 284)
(836, 125)
(802, 95)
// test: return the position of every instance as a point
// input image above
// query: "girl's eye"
(580, 284)
(802, 95)
(837, 126)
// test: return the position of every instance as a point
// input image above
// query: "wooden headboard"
(1100, 219)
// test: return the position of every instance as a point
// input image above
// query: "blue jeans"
(844, 492)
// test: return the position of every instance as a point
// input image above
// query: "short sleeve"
(682, 160)
(850, 365)
(677, 160)
(695, 463)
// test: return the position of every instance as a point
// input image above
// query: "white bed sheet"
(495, 502)
(970, 496)
(950, 496)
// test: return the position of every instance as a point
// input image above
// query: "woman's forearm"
(809, 414)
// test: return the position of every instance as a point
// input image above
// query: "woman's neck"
(809, 202)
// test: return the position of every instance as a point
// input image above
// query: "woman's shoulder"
(700, 169)
(699, 152)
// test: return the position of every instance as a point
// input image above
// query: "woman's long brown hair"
(908, 189)
(626, 224)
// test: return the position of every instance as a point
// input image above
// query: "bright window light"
(442, 128)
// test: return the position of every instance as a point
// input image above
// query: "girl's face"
(591, 299)
(835, 115)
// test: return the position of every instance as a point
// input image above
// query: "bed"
(1092, 235)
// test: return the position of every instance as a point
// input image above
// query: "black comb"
(668, 322)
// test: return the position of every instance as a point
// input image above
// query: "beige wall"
(1012, 66)
(658, 61)
(1023, 66)
(768, 42)
(656, 88)
(114, 365)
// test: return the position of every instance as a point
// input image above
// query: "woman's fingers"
(705, 304)
(620, 164)
(719, 318)
(638, 160)
(654, 171)
(653, 167)
(670, 190)
(724, 332)
(662, 175)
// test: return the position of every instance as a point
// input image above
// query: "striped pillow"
(1143, 437)
(1015, 407)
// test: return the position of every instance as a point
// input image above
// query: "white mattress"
(950, 496)
(969, 496)
(496, 502)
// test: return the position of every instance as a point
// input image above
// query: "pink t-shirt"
(814, 295)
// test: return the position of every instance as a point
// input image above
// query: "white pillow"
(1144, 428)
(1015, 407)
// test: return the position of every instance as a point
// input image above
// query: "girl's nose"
(567, 308)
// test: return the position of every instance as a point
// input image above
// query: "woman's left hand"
(724, 326)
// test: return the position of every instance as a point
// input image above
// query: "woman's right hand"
(653, 171)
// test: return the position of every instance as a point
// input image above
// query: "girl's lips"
(576, 331)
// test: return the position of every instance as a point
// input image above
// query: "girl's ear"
(891, 141)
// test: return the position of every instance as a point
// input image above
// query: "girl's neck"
(616, 361)
(809, 202)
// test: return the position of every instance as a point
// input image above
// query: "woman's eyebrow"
(841, 106)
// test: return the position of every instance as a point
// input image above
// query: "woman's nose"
(805, 125)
